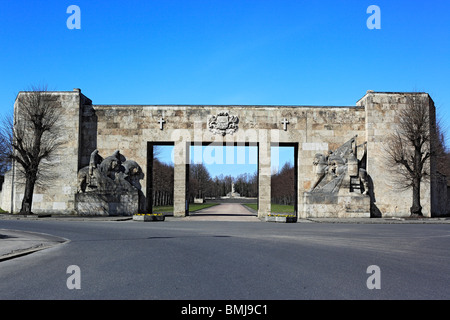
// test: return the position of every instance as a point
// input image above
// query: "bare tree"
(5, 144)
(442, 151)
(200, 181)
(34, 138)
(162, 183)
(410, 147)
(283, 185)
(247, 184)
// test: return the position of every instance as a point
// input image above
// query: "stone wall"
(380, 109)
(5, 193)
(336, 206)
(58, 195)
(440, 196)
(107, 203)
(313, 129)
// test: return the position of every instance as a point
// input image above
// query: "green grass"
(199, 206)
(253, 206)
(278, 208)
(192, 207)
(164, 209)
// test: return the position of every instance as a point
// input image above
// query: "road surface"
(224, 212)
(181, 259)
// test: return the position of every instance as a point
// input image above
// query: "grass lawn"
(281, 208)
(275, 208)
(192, 207)
(198, 206)
(163, 209)
(253, 206)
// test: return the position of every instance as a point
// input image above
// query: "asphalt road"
(231, 260)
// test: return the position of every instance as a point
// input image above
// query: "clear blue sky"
(226, 51)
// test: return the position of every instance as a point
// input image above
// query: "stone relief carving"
(341, 168)
(114, 173)
(223, 123)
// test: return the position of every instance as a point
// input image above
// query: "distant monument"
(233, 193)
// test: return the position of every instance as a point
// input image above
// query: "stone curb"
(393, 220)
(387, 220)
(146, 218)
(22, 252)
(21, 243)
(63, 217)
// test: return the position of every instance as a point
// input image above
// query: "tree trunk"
(28, 195)
(416, 209)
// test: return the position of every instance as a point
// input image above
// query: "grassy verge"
(192, 207)
(163, 209)
(199, 206)
(253, 206)
(278, 208)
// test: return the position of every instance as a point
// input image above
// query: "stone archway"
(226, 157)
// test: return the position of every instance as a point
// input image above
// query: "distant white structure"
(233, 193)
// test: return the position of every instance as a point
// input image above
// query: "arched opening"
(223, 179)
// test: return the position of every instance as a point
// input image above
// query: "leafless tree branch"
(410, 147)
(32, 139)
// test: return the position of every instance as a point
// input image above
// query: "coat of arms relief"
(223, 123)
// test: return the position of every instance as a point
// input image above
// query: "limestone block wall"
(312, 129)
(448, 200)
(58, 195)
(440, 196)
(5, 193)
(380, 109)
(326, 129)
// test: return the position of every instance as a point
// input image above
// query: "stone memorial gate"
(105, 162)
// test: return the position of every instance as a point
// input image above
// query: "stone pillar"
(381, 120)
(180, 167)
(58, 196)
(264, 174)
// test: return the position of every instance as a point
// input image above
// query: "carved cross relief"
(285, 122)
(161, 121)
